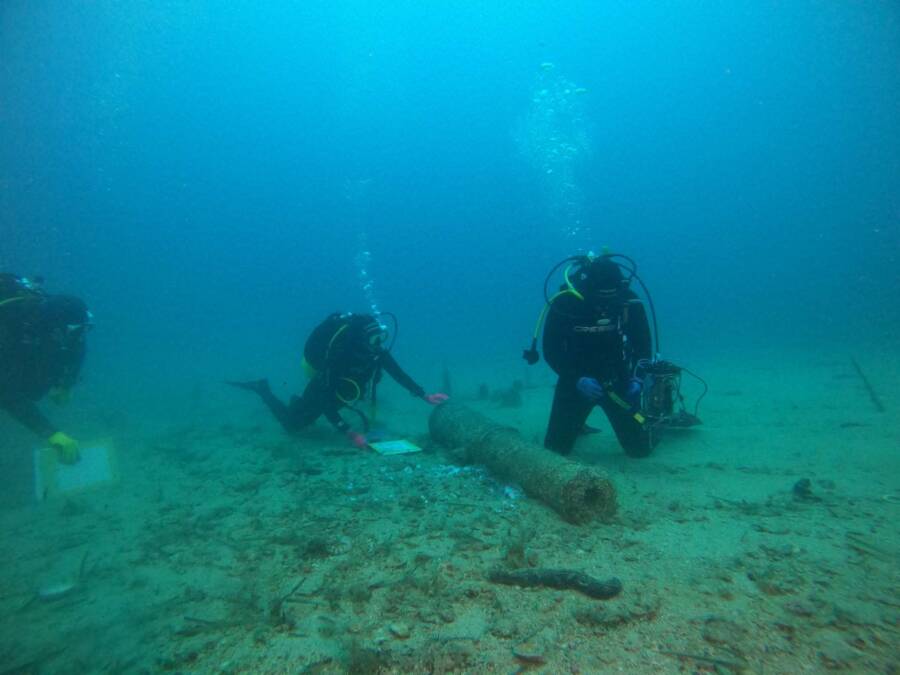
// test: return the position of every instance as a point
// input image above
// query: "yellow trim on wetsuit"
(356, 397)
(543, 315)
(308, 369)
(15, 299)
(333, 338)
(311, 371)
(572, 288)
(618, 400)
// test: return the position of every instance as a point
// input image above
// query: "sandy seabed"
(228, 547)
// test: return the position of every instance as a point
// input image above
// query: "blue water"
(215, 178)
(190, 170)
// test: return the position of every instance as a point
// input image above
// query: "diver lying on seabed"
(344, 358)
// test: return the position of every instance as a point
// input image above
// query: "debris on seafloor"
(446, 382)
(55, 591)
(803, 491)
(511, 397)
(718, 663)
(58, 590)
(873, 395)
(530, 653)
(560, 579)
(484, 392)
(34, 665)
(865, 547)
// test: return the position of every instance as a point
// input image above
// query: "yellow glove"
(60, 395)
(66, 447)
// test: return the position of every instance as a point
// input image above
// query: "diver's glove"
(633, 394)
(590, 388)
(66, 447)
(436, 399)
(357, 439)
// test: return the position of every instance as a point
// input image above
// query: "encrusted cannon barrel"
(577, 492)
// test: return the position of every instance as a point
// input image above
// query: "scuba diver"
(344, 358)
(597, 339)
(42, 347)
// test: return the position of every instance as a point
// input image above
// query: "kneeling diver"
(597, 339)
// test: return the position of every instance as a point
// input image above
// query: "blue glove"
(635, 386)
(590, 389)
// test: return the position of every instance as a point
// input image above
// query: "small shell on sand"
(399, 630)
(52, 592)
(529, 652)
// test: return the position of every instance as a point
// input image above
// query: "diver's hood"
(599, 278)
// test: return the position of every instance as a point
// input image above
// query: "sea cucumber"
(566, 580)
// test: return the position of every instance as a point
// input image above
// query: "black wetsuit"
(344, 370)
(601, 340)
(33, 357)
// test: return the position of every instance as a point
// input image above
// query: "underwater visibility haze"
(215, 179)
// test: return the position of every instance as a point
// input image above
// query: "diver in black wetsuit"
(344, 357)
(42, 348)
(595, 334)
